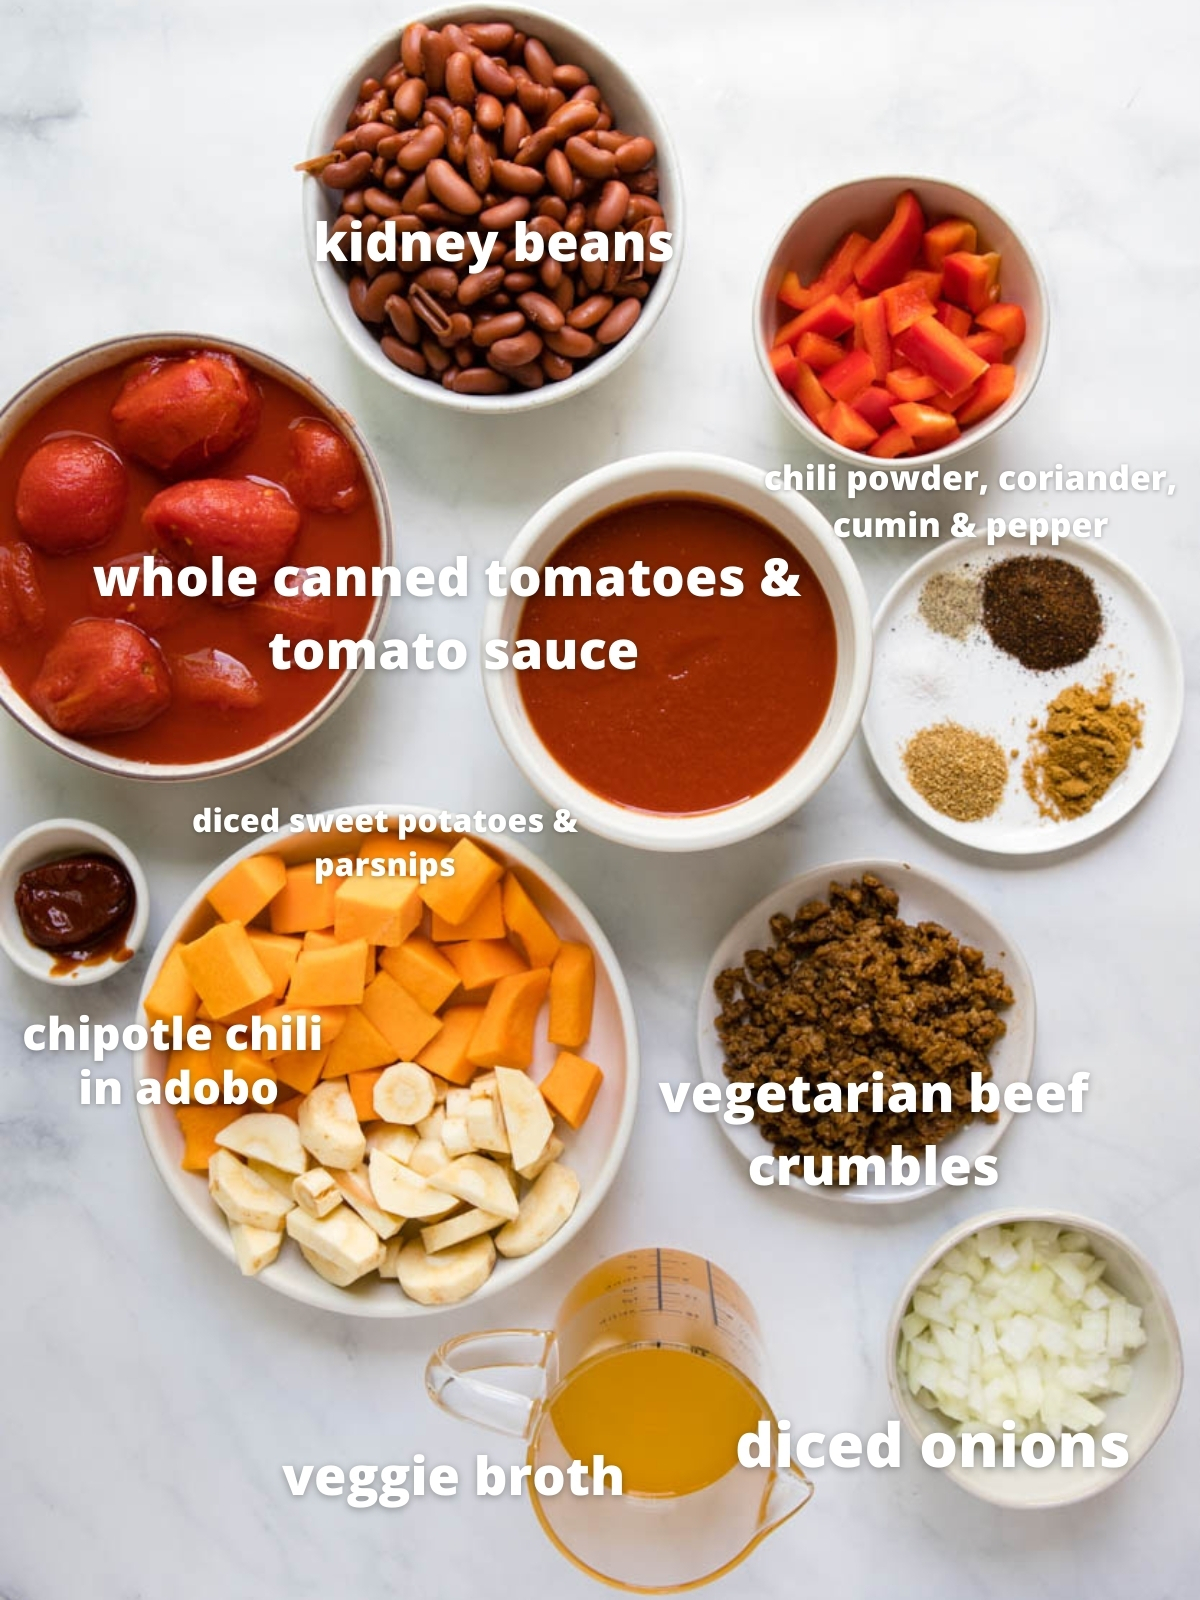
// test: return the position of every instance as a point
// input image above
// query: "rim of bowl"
(331, 288)
(212, 1226)
(689, 830)
(907, 1404)
(974, 436)
(58, 376)
(22, 852)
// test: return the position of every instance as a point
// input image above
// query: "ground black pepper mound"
(847, 989)
(1043, 611)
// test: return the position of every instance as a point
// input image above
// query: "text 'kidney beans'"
(478, 127)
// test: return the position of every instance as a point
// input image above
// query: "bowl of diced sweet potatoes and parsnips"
(473, 1091)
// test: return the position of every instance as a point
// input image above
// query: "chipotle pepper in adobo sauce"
(78, 908)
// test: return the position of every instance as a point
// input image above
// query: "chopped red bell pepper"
(831, 317)
(922, 447)
(895, 442)
(904, 304)
(931, 280)
(992, 390)
(955, 318)
(849, 377)
(986, 343)
(818, 351)
(844, 425)
(852, 295)
(783, 364)
(944, 238)
(838, 272)
(1007, 320)
(871, 334)
(925, 424)
(875, 404)
(970, 280)
(793, 294)
(951, 402)
(909, 383)
(940, 354)
(895, 250)
(814, 402)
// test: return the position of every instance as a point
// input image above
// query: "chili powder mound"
(1080, 750)
(1042, 610)
(847, 989)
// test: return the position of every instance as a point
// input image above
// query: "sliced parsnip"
(243, 1196)
(342, 1240)
(448, 1276)
(549, 1202)
(479, 1181)
(267, 1136)
(404, 1094)
(467, 1225)
(329, 1128)
(527, 1118)
(356, 1191)
(404, 1192)
(316, 1192)
(255, 1248)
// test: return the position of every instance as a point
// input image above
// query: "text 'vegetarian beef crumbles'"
(847, 989)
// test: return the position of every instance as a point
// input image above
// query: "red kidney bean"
(403, 318)
(442, 281)
(517, 180)
(381, 202)
(572, 343)
(347, 174)
(489, 113)
(460, 80)
(477, 286)
(541, 311)
(610, 208)
(438, 358)
(435, 52)
(556, 367)
(516, 128)
(588, 161)
(590, 311)
(489, 329)
(404, 356)
(418, 152)
(635, 154)
(368, 136)
(619, 321)
(481, 380)
(533, 150)
(577, 116)
(490, 36)
(506, 214)
(539, 62)
(529, 377)
(478, 160)
(568, 77)
(517, 351)
(551, 273)
(534, 98)
(451, 188)
(519, 282)
(560, 174)
(494, 78)
(411, 53)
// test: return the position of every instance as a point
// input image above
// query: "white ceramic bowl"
(50, 841)
(718, 478)
(594, 1152)
(866, 204)
(632, 109)
(1143, 1413)
(119, 353)
(923, 898)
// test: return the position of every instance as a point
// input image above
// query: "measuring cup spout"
(790, 1492)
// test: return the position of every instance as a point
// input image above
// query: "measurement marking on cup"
(658, 1273)
(712, 1295)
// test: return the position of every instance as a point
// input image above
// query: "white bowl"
(50, 841)
(632, 109)
(594, 1152)
(718, 478)
(1143, 1413)
(866, 205)
(923, 898)
(117, 353)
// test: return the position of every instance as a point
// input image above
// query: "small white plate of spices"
(1022, 703)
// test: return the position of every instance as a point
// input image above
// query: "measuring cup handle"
(452, 1383)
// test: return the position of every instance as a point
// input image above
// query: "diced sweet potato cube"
(485, 922)
(504, 1037)
(248, 887)
(447, 1055)
(571, 1086)
(200, 1126)
(527, 925)
(225, 970)
(359, 1047)
(172, 994)
(362, 1092)
(303, 903)
(481, 962)
(457, 895)
(322, 939)
(572, 993)
(407, 1026)
(420, 967)
(380, 910)
(333, 1020)
(300, 1069)
(330, 977)
(277, 952)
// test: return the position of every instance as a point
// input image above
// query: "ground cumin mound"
(847, 989)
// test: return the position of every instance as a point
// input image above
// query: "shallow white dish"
(594, 1152)
(923, 898)
(1143, 1413)
(923, 677)
(50, 841)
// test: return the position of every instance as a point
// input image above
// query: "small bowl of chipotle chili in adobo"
(188, 536)
(682, 656)
(73, 902)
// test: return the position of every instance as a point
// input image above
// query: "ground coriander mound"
(951, 603)
(1042, 610)
(957, 771)
(1080, 750)
(846, 989)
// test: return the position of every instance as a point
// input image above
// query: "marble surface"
(148, 1395)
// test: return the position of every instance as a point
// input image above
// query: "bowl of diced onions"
(1041, 1339)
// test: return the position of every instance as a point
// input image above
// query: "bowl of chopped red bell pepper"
(900, 317)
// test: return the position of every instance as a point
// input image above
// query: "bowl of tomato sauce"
(169, 503)
(683, 655)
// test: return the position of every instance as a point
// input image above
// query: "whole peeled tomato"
(179, 414)
(71, 494)
(102, 676)
(216, 680)
(295, 616)
(324, 475)
(250, 522)
(22, 603)
(153, 612)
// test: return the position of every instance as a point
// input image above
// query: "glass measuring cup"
(654, 1363)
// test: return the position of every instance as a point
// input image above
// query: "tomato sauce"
(728, 690)
(186, 732)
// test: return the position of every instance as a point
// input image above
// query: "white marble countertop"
(148, 1395)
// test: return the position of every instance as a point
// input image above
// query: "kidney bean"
(533, 150)
(529, 377)
(551, 206)
(451, 188)
(619, 321)
(575, 219)
(505, 326)
(560, 175)
(632, 288)
(590, 311)
(635, 154)
(592, 273)
(403, 318)
(489, 113)
(381, 202)
(609, 139)
(644, 182)
(587, 160)
(481, 380)
(541, 311)
(347, 174)
(519, 282)
(346, 146)
(564, 295)
(568, 77)
(404, 356)
(411, 53)
(436, 50)
(494, 78)
(539, 62)
(642, 207)
(477, 286)
(610, 208)
(516, 128)
(577, 116)
(368, 136)
(353, 203)
(390, 145)
(478, 159)
(506, 214)
(438, 358)
(551, 273)
(490, 36)
(419, 152)
(556, 367)
(459, 131)
(572, 343)
(534, 99)
(442, 281)
(518, 180)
